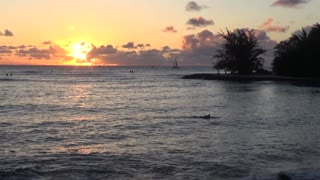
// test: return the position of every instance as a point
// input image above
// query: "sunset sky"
(139, 32)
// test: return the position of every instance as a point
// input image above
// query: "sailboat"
(175, 64)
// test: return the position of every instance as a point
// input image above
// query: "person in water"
(206, 116)
(203, 117)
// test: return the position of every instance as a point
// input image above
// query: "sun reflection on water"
(77, 95)
(90, 149)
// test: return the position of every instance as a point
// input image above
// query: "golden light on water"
(90, 149)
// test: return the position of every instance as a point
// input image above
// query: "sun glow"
(79, 52)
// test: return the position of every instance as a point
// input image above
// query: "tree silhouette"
(240, 52)
(299, 55)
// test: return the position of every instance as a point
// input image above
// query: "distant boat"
(175, 64)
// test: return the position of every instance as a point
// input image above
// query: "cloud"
(5, 50)
(22, 46)
(139, 46)
(46, 42)
(97, 52)
(111, 55)
(6, 33)
(269, 27)
(197, 49)
(129, 45)
(12, 47)
(264, 40)
(307, 28)
(199, 22)
(191, 28)
(193, 6)
(169, 29)
(151, 57)
(262, 37)
(53, 52)
(165, 49)
(290, 3)
(204, 42)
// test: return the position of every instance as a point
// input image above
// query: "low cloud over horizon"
(121, 33)
(129, 45)
(6, 33)
(196, 49)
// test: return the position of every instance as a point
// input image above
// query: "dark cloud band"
(290, 3)
(200, 22)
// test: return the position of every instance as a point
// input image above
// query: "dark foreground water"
(105, 123)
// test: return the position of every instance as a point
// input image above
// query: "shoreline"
(254, 77)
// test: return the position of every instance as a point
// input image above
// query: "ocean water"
(106, 123)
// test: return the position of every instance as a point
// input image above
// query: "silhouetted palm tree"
(240, 52)
(299, 55)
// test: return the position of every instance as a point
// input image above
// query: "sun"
(79, 51)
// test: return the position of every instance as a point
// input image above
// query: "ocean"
(107, 123)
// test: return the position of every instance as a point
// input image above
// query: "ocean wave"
(154, 172)
(297, 174)
(12, 79)
(152, 125)
(32, 72)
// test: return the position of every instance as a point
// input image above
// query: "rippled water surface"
(105, 123)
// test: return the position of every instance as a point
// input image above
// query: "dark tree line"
(298, 56)
(240, 53)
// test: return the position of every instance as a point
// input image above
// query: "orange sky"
(140, 32)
